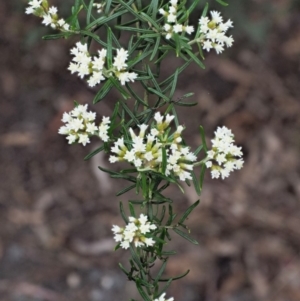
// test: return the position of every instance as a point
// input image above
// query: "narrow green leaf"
(155, 49)
(123, 269)
(177, 277)
(182, 68)
(135, 95)
(163, 212)
(89, 12)
(129, 170)
(128, 111)
(139, 58)
(131, 209)
(203, 168)
(196, 183)
(193, 6)
(203, 138)
(160, 272)
(93, 36)
(188, 212)
(107, 6)
(125, 190)
(150, 20)
(175, 116)
(222, 2)
(123, 213)
(162, 240)
(168, 253)
(131, 10)
(170, 219)
(174, 84)
(56, 36)
(103, 91)
(118, 86)
(104, 19)
(141, 291)
(168, 235)
(198, 150)
(158, 93)
(136, 258)
(194, 57)
(109, 48)
(94, 152)
(164, 160)
(125, 177)
(164, 289)
(145, 283)
(136, 202)
(113, 118)
(133, 29)
(185, 236)
(205, 10)
(108, 171)
(185, 104)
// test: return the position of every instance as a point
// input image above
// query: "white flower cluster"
(145, 152)
(162, 298)
(171, 17)
(99, 7)
(214, 32)
(224, 153)
(135, 231)
(41, 9)
(86, 65)
(80, 126)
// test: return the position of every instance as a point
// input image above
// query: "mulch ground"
(56, 210)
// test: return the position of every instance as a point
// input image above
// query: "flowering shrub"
(80, 126)
(146, 153)
(223, 153)
(135, 231)
(214, 31)
(143, 132)
(86, 65)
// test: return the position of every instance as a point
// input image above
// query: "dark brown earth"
(56, 210)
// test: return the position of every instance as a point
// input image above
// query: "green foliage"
(138, 26)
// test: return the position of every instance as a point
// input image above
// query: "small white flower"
(207, 45)
(223, 153)
(167, 27)
(216, 17)
(61, 22)
(47, 19)
(162, 298)
(66, 26)
(162, 12)
(113, 159)
(188, 29)
(208, 164)
(215, 174)
(214, 32)
(177, 28)
(91, 128)
(72, 138)
(35, 3)
(168, 36)
(53, 10)
(149, 242)
(171, 18)
(84, 139)
(125, 77)
(219, 48)
(119, 61)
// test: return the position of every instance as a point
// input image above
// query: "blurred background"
(56, 210)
